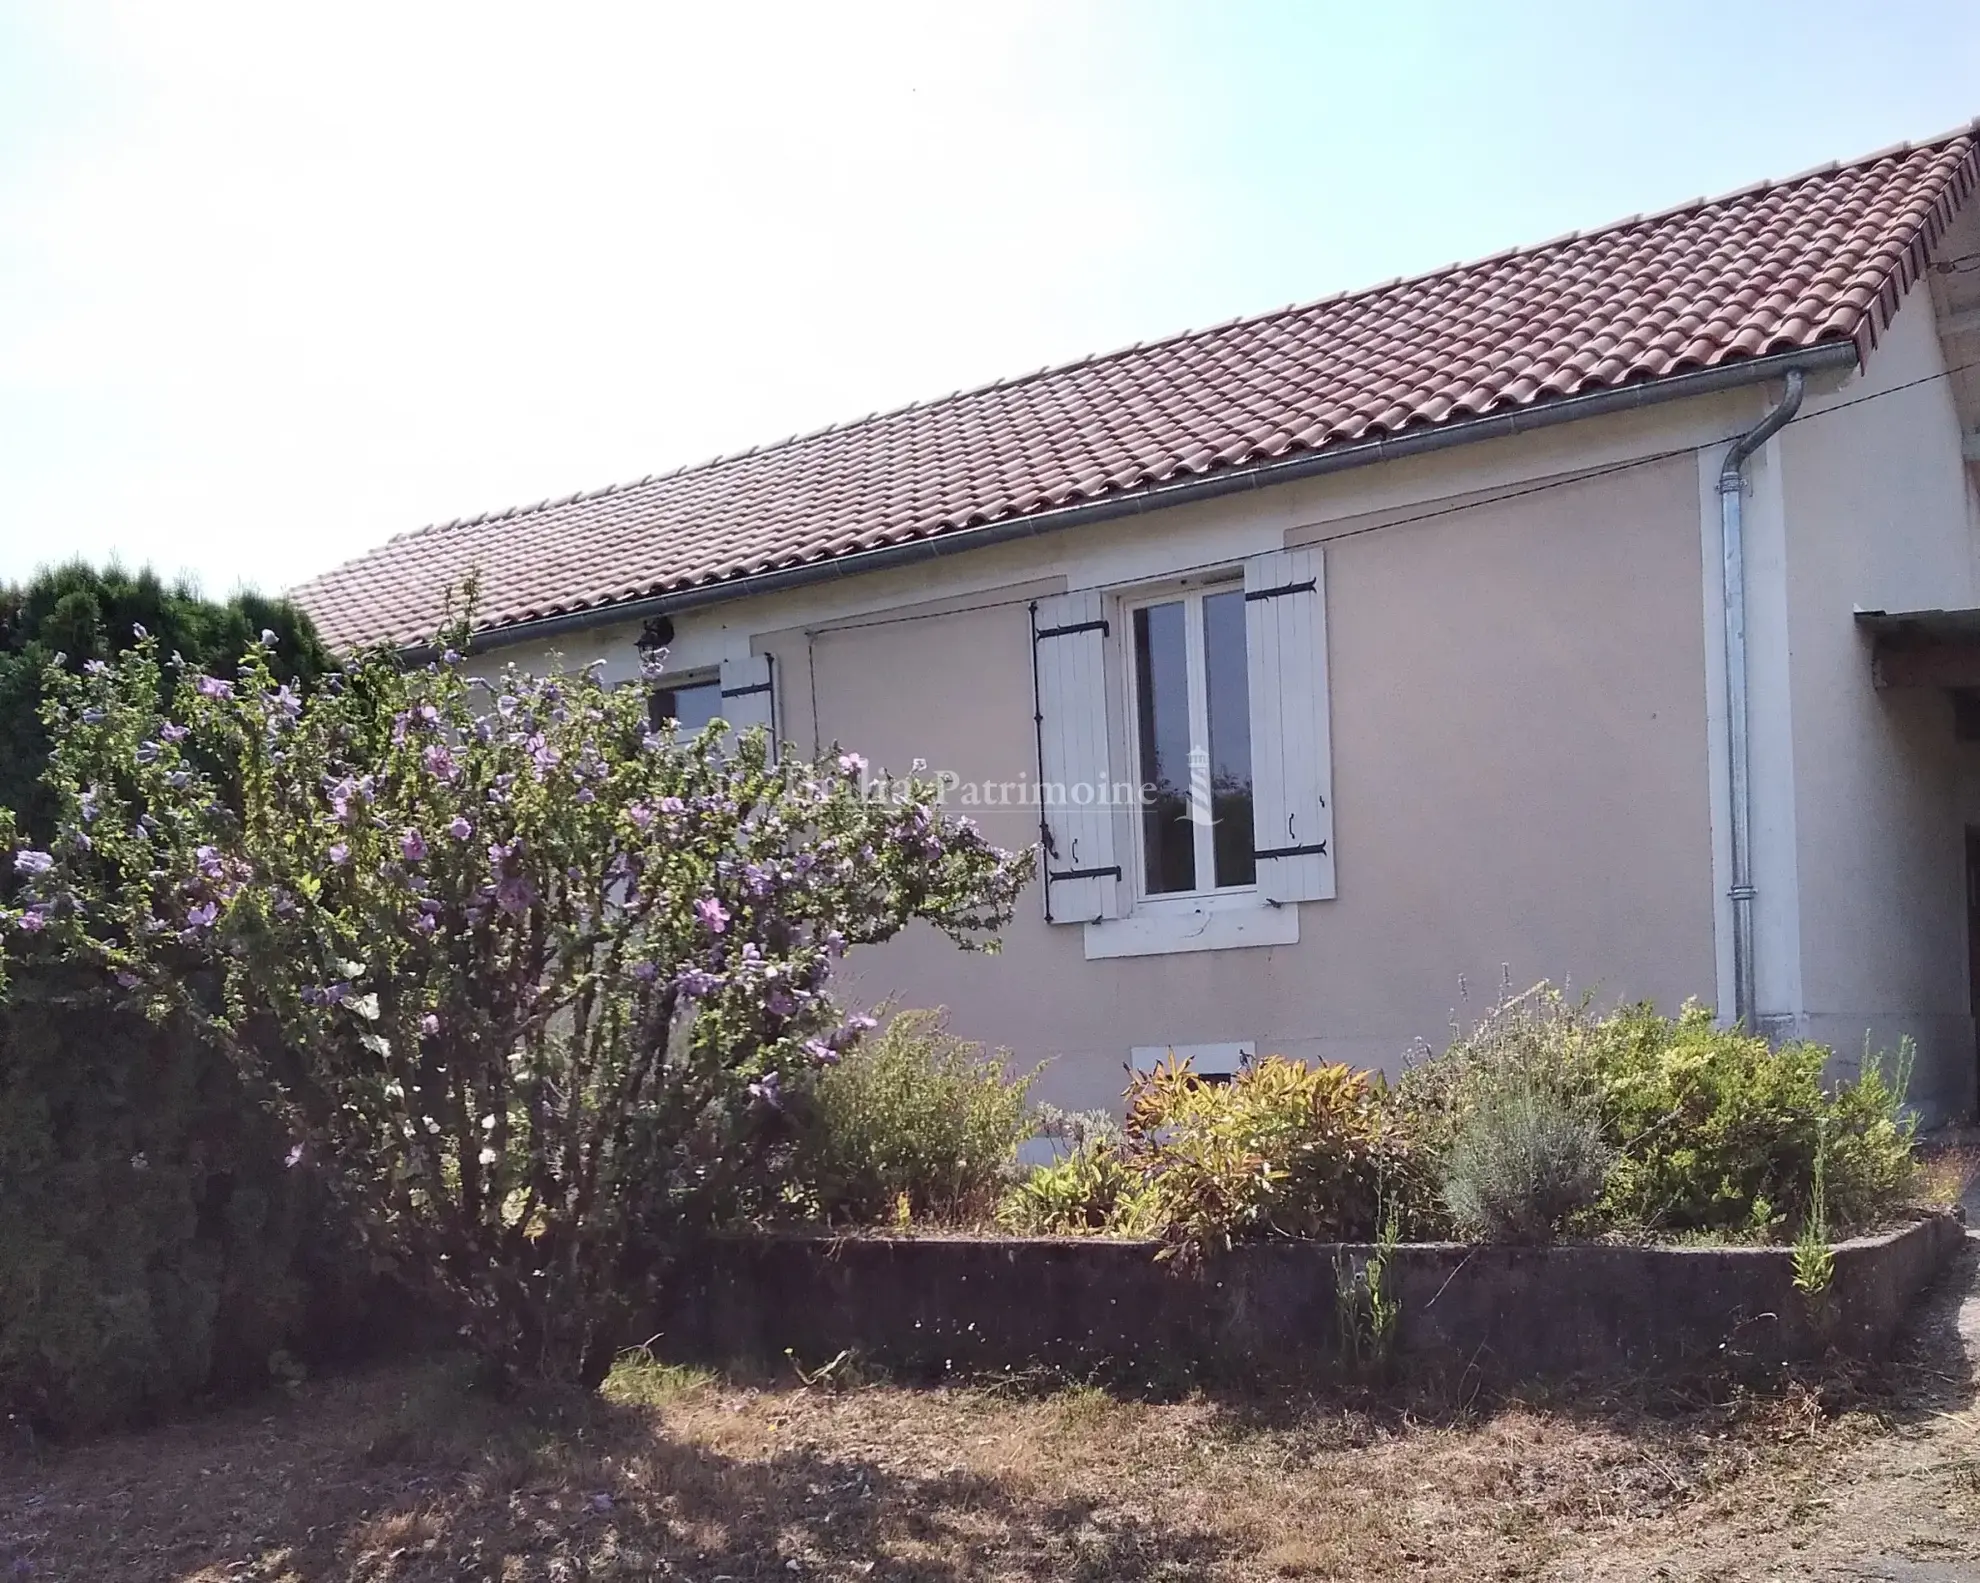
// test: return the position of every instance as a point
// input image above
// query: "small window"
(1212, 1063)
(690, 703)
(1192, 726)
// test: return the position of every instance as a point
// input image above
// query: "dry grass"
(1948, 1170)
(410, 1475)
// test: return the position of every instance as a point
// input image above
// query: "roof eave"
(1825, 357)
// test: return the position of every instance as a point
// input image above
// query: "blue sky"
(277, 283)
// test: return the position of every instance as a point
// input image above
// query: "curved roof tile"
(1777, 267)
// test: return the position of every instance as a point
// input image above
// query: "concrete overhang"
(1923, 648)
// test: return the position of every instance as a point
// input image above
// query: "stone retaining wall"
(932, 1305)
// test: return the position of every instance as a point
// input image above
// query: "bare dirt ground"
(405, 1475)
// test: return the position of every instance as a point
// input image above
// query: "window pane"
(1229, 699)
(1161, 697)
(693, 706)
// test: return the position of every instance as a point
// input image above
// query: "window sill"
(1164, 931)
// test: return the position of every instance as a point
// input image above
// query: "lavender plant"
(526, 979)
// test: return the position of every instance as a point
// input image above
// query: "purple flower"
(179, 780)
(29, 861)
(86, 805)
(672, 805)
(138, 631)
(202, 916)
(413, 845)
(288, 701)
(33, 921)
(694, 984)
(214, 687)
(439, 761)
(758, 880)
(172, 731)
(641, 815)
(429, 1025)
(515, 894)
(713, 915)
(645, 972)
(821, 1052)
(127, 979)
(344, 797)
(450, 657)
(779, 1003)
(424, 924)
(459, 828)
(506, 705)
(268, 637)
(587, 795)
(852, 763)
(339, 853)
(294, 1157)
(768, 1090)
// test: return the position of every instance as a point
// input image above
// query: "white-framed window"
(742, 691)
(1189, 740)
(1220, 736)
(689, 701)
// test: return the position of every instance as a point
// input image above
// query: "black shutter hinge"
(1311, 585)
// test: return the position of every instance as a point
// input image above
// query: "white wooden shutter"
(1082, 876)
(749, 695)
(1285, 628)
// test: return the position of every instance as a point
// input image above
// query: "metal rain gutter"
(1830, 355)
(1732, 486)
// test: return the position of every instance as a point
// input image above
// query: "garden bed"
(940, 1306)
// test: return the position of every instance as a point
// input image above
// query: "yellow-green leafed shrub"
(1716, 1129)
(1283, 1149)
(1092, 1189)
(914, 1118)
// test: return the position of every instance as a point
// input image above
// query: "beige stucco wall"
(1519, 778)
(1528, 734)
(1875, 502)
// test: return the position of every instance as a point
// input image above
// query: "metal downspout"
(1733, 544)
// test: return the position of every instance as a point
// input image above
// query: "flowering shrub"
(526, 979)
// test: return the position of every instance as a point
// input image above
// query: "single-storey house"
(1606, 610)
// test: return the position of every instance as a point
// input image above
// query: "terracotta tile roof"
(1777, 267)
